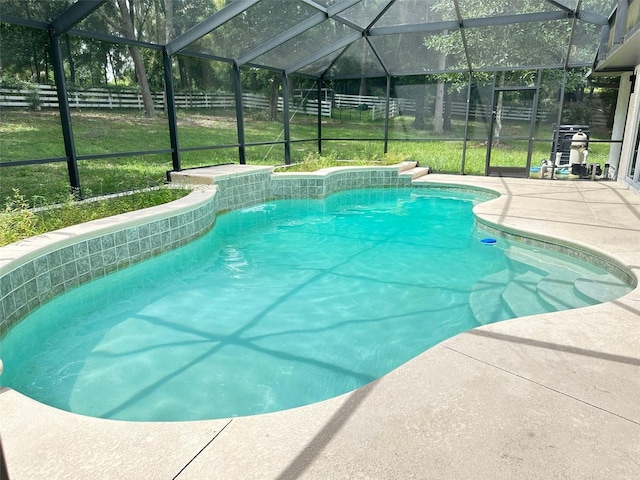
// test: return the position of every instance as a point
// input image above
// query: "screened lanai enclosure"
(98, 94)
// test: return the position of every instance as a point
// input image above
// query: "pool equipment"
(563, 135)
(571, 153)
(578, 150)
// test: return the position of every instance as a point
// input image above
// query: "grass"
(34, 135)
(19, 221)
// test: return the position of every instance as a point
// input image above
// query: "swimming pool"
(284, 304)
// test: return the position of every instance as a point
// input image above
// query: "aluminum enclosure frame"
(66, 23)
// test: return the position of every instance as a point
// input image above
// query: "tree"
(127, 30)
(503, 46)
(28, 49)
(402, 50)
(24, 54)
(266, 82)
(438, 114)
(179, 16)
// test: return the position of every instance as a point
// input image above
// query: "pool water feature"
(285, 304)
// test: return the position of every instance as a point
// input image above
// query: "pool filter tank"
(563, 135)
(578, 151)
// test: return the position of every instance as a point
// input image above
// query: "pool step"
(209, 175)
(415, 173)
(520, 296)
(485, 298)
(542, 263)
(531, 286)
(560, 292)
(598, 290)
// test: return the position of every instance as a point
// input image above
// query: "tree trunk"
(438, 114)
(46, 70)
(136, 56)
(362, 91)
(168, 21)
(273, 101)
(418, 122)
(447, 110)
(113, 67)
(141, 73)
(72, 65)
(498, 124)
(183, 71)
(363, 67)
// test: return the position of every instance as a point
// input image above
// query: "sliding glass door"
(634, 166)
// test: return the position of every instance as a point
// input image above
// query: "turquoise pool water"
(285, 304)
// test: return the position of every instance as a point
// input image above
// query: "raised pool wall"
(35, 270)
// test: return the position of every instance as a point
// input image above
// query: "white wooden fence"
(459, 109)
(306, 107)
(403, 106)
(45, 96)
(376, 104)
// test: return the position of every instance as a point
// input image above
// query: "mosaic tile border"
(242, 190)
(325, 182)
(608, 264)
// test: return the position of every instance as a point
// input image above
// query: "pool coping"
(547, 395)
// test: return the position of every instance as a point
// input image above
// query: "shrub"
(16, 220)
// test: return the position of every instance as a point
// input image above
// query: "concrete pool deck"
(547, 396)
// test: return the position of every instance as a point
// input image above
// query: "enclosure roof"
(340, 38)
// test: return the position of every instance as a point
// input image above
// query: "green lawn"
(33, 135)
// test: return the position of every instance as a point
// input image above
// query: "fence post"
(65, 115)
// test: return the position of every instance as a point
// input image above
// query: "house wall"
(630, 136)
(619, 122)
